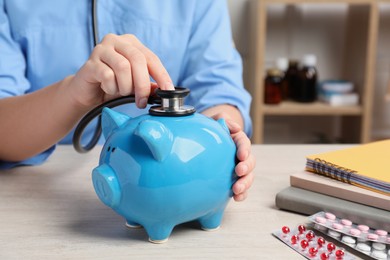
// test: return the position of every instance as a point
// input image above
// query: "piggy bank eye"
(109, 149)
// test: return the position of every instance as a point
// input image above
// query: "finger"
(105, 75)
(153, 87)
(122, 70)
(241, 196)
(233, 126)
(155, 67)
(243, 183)
(243, 145)
(139, 69)
(223, 115)
(141, 78)
(245, 167)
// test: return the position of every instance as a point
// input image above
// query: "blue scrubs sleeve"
(13, 81)
(213, 67)
(36, 160)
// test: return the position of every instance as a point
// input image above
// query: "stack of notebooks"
(352, 182)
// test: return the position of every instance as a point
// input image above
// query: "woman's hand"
(246, 160)
(119, 66)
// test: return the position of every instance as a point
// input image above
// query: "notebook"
(324, 185)
(366, 165)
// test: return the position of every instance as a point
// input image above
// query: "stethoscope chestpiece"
(172, 103)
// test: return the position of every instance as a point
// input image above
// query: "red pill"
(301, 229)
(310, 235)
(320, 241)
(339, 254)
(331, 247)
(294, 239)
(313, 251)
(324, 256)
(285, 230)
(304, 244)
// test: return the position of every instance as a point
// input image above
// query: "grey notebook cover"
(309, 202)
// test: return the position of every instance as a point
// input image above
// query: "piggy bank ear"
(112, 120)
(157, 136)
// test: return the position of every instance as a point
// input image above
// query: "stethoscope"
(167, 103)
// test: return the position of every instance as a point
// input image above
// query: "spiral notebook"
(366, 165)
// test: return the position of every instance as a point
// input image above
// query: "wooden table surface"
(52, 212)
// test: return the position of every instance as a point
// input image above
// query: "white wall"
(239, 15)
(330, 35)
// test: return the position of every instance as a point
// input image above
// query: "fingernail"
(142, 102)
(169, 86)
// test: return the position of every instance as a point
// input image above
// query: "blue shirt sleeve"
(212, 66)
(13, 81)
(36, 160)
(12, 78)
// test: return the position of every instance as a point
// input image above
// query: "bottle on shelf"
(291, 78)
(282, 65)
(273, 86)
(306, 87)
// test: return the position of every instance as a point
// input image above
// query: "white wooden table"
(52, 212)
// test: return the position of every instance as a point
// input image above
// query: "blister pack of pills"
(371, 242)
(305, 242)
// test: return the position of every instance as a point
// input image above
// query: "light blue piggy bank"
(160, 171)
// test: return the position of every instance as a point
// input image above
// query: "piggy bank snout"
(106, 185)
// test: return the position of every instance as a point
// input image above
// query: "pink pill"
(330, 216)
(337, 226)
(346, 222)
(372, 236)
(355, 232)
(320, 220)
(381, 233)
(363, 228)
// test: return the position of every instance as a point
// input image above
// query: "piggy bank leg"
(159, 233)
(133, 225)
(212, 221)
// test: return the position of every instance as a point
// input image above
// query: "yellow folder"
(366, 165)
